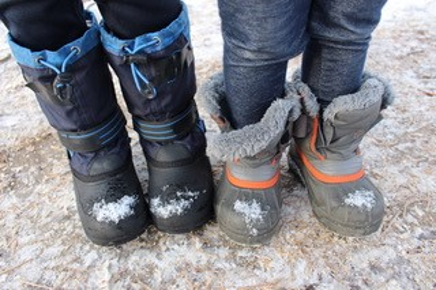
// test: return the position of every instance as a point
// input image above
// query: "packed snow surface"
(42, 244)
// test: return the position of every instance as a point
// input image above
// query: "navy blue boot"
(156, 72)
(75, 91)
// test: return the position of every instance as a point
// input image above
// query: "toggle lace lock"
(63, 88)
(148, 91)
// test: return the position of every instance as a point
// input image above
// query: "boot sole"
(245, 240)
(199, 219)
(345, 230)
(117, 241)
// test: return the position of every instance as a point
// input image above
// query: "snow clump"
(114, 211)
(252, 213)
(173, 207)
(363, 199)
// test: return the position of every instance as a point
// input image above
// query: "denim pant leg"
(259, 38)
(335, 56)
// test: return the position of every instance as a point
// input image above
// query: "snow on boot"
(326, 156)
(75, 91)
(156, 72)
(248, 199)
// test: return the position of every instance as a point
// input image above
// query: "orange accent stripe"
(329, 178)
(313, 138)
(252, 184)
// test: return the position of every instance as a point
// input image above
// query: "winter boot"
(248, 199)
(156, 72)
(326, 156)
(75, 91)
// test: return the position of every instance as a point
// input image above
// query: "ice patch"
(114, 211)
(173, 207)
(364, 199)
(252, 213)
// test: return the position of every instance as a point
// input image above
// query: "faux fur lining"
(310, 104)
(211, 94)
(251, 139)
(372, 89)
(388, 94)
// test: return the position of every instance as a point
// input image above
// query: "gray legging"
(261, 36)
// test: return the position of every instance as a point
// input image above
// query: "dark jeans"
(260, 36)
(49, 24)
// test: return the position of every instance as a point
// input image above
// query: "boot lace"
(62, 84)
(74, 51)
(143, 85)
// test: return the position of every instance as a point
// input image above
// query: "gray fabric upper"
(344, 123)
(373, 88)
(211, 94)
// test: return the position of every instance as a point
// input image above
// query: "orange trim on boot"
(252, 184)
(329, 178)
(314, 137)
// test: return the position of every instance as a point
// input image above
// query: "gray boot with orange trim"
(326, 156)
(248, 199)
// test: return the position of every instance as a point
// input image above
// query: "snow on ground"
(42, 245)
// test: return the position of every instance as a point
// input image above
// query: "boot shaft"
(64, 82)
(157, 75)
(75, 91)
(335, 132)
(156, 70)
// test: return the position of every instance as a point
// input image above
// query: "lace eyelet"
(39, 59)
(77, 49)
(125, 48)
(158, 41)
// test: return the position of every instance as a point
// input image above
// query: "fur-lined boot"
(326, 156)
(248, 199)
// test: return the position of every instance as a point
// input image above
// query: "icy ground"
(42, 245)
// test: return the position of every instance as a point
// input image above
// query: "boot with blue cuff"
(156, 72)
(75, 91)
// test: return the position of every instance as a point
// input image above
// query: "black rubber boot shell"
(181, 191)
(110, 188)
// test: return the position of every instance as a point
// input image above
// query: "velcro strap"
(96, 138)
(169, 130)
(160, 70)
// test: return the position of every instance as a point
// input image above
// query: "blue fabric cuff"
(165, 37)
(29, 58)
